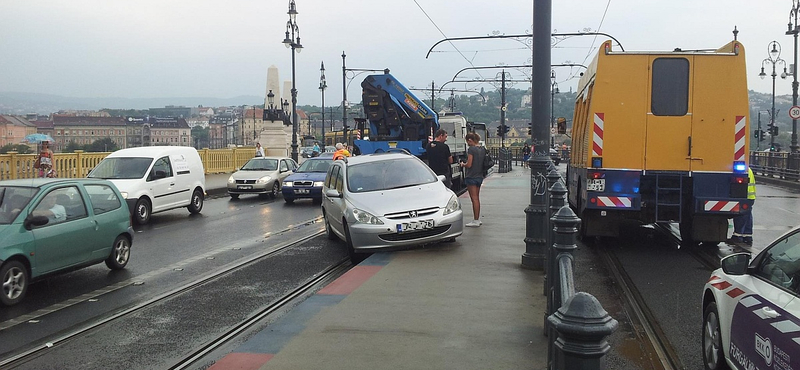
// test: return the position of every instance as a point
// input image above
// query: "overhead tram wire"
(442, 33)
(591, 48)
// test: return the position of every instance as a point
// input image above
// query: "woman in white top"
(259, 150)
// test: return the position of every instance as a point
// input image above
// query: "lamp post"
(322, 86)
(774, 52)
(254, 125)
(345, 105)
(293, 42)
(553, 88)
(793, 30)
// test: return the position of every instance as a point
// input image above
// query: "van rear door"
(669, 119)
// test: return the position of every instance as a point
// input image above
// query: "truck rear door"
(669, 119)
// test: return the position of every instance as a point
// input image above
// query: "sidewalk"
(463, 305)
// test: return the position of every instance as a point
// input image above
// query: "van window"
(162, 164)
(669, 92)
(121, 168)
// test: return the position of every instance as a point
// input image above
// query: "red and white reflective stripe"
(741, 136)
(721, 206)
(617, 202)
(597, 139)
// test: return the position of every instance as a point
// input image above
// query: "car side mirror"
(32, 221)
(441, 178)
(735, 264)
(332, 193)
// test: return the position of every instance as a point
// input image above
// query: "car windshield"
(390, 174)
(121, 168)
(259, 164)
(12, 200)
(314, 166)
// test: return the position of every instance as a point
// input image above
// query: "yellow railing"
(79, 163)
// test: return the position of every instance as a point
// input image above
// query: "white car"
(751, 309)
(388, 201)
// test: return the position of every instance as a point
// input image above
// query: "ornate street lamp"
(292, 41)
(322, 86)
(553, 92)
(774, 52)
(793, 30)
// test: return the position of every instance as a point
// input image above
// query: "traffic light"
(499, 131)
(773, 130)
(505, 130)
(761, 135)
(755, 133)
(562, 125)
(530, 128)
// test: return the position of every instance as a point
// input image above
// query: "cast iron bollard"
(504, 160)
(558, 197)
(579, 328)
(583, 326)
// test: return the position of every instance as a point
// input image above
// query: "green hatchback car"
(50, 226)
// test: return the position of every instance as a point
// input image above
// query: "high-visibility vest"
(751, 186)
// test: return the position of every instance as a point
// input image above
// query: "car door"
(62, 242)
(669, 119)
(104, 204)
(286, 168)
(335, 207)
(765, 325)
(163, 185)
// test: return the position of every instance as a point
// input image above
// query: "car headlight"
(124, 194)
(319, 184)
(452, 205)
(231, 180)
(264, 180)
(366, 217)
(287, 184)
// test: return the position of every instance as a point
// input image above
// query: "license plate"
(301, 191)
(414, 226)
(596, 185)
(244, 187)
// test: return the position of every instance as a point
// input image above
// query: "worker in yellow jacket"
(743, 224)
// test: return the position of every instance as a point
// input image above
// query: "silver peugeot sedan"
(388, 201)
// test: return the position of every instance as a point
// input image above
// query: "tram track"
(44, 346)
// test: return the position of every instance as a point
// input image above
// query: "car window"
(103, 198)
(162, 164)
(780, 264)
(121, 168)
(61, 205)
(261, 165)
(12, 200)
(330, 178)
(388, 174)
(338, 181)
(284, 166)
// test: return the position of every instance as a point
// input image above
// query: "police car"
(751, 308)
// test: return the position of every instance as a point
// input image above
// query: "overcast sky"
(193, 48)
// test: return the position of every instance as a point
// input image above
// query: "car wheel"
(234, 196)
(141, 212)
(120, 253)
(15, 282)
(197, 202)
(713, 358)
(328, 229)
(288, 200)
(276, 189)
(355, 258)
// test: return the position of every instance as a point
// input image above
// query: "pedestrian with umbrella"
(44, 162)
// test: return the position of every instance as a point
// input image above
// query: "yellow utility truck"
(661, 137)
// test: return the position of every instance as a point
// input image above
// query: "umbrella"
(37, 138)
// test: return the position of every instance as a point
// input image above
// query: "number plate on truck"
(596, 185)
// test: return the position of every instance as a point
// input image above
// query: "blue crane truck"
(397, 119)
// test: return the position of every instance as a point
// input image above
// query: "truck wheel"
(142, 210)
(196, 204)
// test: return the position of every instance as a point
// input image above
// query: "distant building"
(170, 131)
(13, 129)
(170, 111)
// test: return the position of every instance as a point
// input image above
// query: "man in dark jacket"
(440, 158)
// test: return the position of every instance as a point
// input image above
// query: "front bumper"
(372, 238)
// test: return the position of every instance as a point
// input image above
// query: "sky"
(222, 49)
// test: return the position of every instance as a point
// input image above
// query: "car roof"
(40, 182)
(151, 151)
(377, 157)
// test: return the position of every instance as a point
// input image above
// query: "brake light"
(739, 180)
(597, 175)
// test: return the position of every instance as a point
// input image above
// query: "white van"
(155, 179)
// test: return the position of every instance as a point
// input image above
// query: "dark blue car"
(306, 182)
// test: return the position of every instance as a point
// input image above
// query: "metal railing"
(576, 324)
(781, 165)
(79, 163)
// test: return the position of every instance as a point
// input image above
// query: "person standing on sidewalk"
(743, 223)
(474, 175)
(440, 158)
(526, 155)
(259, 150)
